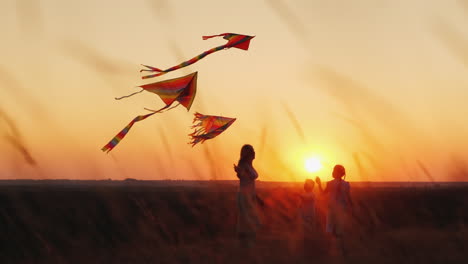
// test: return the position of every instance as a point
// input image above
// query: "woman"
(339, 206)
(247, 219)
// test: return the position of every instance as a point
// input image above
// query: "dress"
(338, 205)
(247, 218)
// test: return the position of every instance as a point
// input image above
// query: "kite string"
(126, 96)
(167, 108)
(173, 107)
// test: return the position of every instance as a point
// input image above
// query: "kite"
(208, 127)
(234, 41)
(182, 90)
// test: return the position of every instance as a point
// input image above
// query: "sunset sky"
(378, 86)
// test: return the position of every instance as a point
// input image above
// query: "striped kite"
(182, 90)
(208, 127)
(234, 41)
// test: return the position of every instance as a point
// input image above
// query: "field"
(134, 222)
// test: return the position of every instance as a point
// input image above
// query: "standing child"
(339, 207)
(307, 207)
(307, 219)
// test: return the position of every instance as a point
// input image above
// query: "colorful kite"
(208, 127)
(181, 89)
(234, 41)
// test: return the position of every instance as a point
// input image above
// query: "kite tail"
(126, 96)
(198, 118)
(183, 64)
(109, 146)
(196, 140)
(208, 127)
(212, 36)
(196, 132)
(153, 75)
(198, 136)
(150, 69)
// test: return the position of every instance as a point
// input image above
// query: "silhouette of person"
(307, 206)
(308, 217)
(339, 207)
(247, 219)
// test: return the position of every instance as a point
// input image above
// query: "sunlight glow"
(313, 164)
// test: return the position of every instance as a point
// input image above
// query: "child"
(339, 206)
(308, 217)
(307, 207)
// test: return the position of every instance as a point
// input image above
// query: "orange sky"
(378, 86)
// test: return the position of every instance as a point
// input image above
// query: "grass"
(177, 224)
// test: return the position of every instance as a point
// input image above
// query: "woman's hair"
(338, 171)
(246, 153)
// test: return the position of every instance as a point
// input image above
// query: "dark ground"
(134, 223)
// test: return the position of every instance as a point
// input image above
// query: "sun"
(313, 164)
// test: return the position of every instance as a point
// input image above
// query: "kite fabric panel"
(182, 90)
(208, 127)
(234, 41)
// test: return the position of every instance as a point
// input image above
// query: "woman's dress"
(247, 219)
(338, 206)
